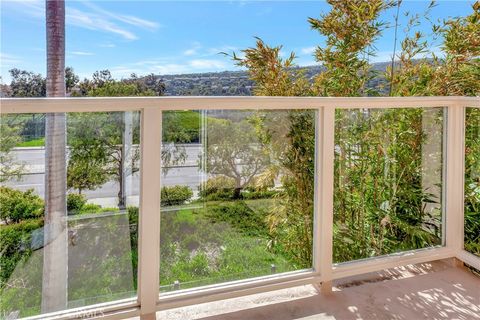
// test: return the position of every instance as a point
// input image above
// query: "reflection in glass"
(239, 203)
(100, 223)
(472, 180)
(388, 181)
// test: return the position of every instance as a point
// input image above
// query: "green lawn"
(215, 242)
(32, 143)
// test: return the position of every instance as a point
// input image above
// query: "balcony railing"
(365, 154)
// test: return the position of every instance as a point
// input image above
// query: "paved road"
(186, 173)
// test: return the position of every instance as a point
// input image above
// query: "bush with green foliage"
(16, 205)
(10, 167)
(240, 216)
(75, 202)
(15, 246)
(265, 194)
(222, 188)
(472, 181)
(181, 126)
(176, 195)
(217, 188)
(204, 247)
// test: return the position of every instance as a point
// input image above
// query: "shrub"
(15, 245)
(133, 226)
(240, 216)
(175, 195)
(267, 194)
(16, 205)
(91, 208)
(222, 188)
(217, 188)
(75, 202)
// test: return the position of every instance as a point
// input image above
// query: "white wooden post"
(454, 180)
(149, 220)
(324, 163)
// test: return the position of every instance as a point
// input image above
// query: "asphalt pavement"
(185, 173)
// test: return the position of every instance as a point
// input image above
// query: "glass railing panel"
(388, 181)
(472, 180)
(88, 253)
(237, 195)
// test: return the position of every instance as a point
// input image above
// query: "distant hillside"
(231, 83)
(226, 83)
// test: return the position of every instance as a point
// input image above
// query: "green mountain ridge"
(234, 83)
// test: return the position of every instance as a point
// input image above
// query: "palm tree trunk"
(55, 251)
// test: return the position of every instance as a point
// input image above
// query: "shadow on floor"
(427, 291)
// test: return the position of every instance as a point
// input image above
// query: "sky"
(175, 37)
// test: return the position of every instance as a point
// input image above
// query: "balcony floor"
(435, 290)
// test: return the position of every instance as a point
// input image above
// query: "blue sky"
(171, 37)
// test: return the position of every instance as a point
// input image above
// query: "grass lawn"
(218, 242)
(32, 143)
(207, 246)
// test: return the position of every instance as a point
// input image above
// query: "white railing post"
(149, 220)
(324, 164)
(454, 180)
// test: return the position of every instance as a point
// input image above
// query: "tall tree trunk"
(55, 252)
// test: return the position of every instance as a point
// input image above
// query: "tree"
(350, 28)
(96, 142)
(23, 84)
(472, 181)
(150, 83)
(233, 150)
(5, 90)
(71, 79)
(289, 139)
(105, 142)
(101, 77)
(55, 250)
(88, 158)
(382, 203)
(273, 75)
(9, 138)
(421, 72)
(27, 84)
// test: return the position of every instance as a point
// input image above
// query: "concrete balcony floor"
(435, 290)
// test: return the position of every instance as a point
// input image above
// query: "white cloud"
(6, 60)
(207, 64)
(138, 22)
(166, 66)
(308, 50)
(190, 66)
(193, 50)
(197, 50)
(33, 8)
(306, 63)
(94, 18)
(171, 68)
(122, 72)
(90, 21)
(107, 45)
(189, 52)
(81, 53)
(128, 19)
(217, 50)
